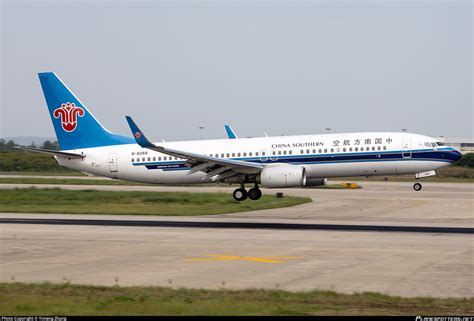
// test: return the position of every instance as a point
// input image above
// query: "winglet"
(230, 132)
(139, 136)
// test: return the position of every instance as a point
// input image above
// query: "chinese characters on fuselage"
(337, 143)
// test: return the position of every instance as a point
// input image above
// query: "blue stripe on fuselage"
(448, 155)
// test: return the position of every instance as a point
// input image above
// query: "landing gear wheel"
(417, 187)
(240, 194)
(255, 193)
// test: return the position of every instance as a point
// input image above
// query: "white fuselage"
(323, 156)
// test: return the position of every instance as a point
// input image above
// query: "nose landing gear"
(417, 186)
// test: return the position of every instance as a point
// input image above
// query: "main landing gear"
(241, 194)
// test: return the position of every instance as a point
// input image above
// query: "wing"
(215, 167)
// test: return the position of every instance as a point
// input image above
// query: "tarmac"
(410, 250)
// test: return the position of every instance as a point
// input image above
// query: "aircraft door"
(113, 163)
(406, 148)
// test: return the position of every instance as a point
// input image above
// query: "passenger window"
(238, 155)
(263, 153)
(290, 152)
(378, 148)
(325, 150)
(256, 153)
(233, 154)
(332, 150)
(344, 149)
(320, 151)
(245, 154)
(307, 151)
(356, 149)
(273, 152)
(350, 149)
(250, 153)
(154, 159)
(133, 159)
(143, 159)
(373, 147)
(314, 151)
(284, 152)
(302, 151)
(385, 148)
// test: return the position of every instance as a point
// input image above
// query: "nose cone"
(456, 155)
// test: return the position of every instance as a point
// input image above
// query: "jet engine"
(315, 182)
(283, 176)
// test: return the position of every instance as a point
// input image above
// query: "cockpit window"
(434, 144)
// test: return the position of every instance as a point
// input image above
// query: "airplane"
(270, 162)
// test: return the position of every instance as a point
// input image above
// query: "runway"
(345, 240)
(241, 225)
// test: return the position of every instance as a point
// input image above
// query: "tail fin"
(74, 124)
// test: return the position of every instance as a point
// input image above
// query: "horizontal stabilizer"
(52, 152)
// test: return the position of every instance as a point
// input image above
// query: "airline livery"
(272, 162)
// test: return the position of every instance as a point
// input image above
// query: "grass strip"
(70, 299)
(56, 200)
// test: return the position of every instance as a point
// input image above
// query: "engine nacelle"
(283, 176)
(315, 182)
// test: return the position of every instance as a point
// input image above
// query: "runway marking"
(260, 259)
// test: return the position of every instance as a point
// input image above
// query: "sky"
(280, 67)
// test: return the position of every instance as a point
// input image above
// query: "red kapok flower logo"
(68, 113)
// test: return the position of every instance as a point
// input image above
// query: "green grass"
(68, 299)
(66, 181)
(21, 161)
(43, 173)
(34, 200)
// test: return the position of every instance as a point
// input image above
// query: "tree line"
(9, 146)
